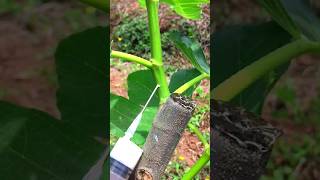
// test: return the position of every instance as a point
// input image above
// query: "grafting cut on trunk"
(164, 136)
(241, 143)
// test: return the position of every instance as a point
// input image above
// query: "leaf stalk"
(190, 83)
(234, 85)
(131, 58)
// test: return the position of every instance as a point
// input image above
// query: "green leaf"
(190, 9)
(304, 17)
(280, 15)
(235, 47)
(122, 115)
(192, 50)
(123, 111)
(140, 86)
(83, 76)
(102, 5)
(181, 77)
(295, 16)
(37, 146)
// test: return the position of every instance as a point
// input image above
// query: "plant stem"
(246, 76)
(199, 135)
(131, 58)
(156, 50)
(190, 83)
(99, 4)
(202, 161)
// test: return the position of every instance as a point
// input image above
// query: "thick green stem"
(131, 58)
(190, 83)
(99, 4)
(195, 169)
(156, 51)
(245, 77)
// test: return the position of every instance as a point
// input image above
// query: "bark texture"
(241, 143)
(165, 134)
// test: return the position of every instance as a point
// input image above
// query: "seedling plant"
(141, 83)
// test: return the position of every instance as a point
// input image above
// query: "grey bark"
(241, 143)
(165, 134)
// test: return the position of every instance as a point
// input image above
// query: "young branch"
(199, 135)
(246, 76)
(196, 168)
(131, 58)
(190, 83)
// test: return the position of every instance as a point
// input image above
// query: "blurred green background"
(293, 104)
(29, 33)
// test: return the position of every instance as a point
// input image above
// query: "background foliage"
(294, 88)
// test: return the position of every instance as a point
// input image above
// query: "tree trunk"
(241, 143)
(165, 134)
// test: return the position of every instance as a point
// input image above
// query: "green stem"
(99, 4)
(131, 58)
(195, 169)
(199, 135)
(246, 76)
(156, 50)
(190, 83)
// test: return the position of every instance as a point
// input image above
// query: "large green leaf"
(235, 47)
(122, 114)
(38, 146)
(281, 16)
(102, 5)
(123, 111)
(295, 16)
(82, 69)
(192, 50)
(190, 9)
(140, 86)
(181, 77)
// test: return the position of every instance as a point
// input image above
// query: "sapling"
(175, 110)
